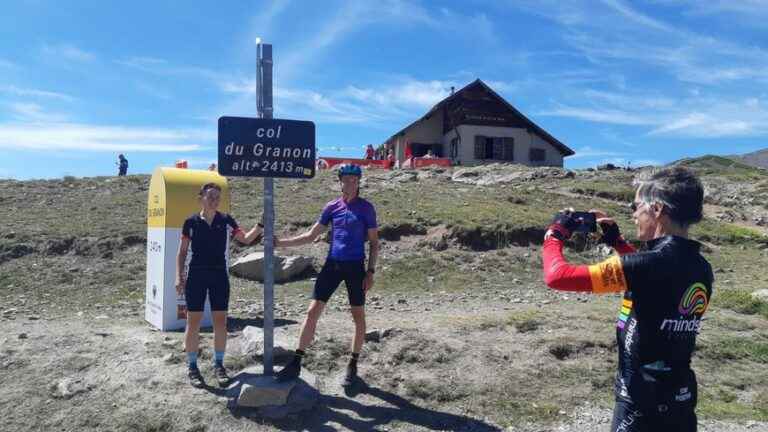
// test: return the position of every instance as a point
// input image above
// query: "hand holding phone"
(585, 221)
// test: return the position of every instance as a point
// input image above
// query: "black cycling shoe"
(351, 376)
(291, 371)
(195, 379)
(221, 376)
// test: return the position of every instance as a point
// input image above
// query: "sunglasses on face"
(635, 205)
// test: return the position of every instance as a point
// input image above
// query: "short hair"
(677, 188)
(207, 186)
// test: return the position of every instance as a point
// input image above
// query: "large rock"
(252, 343)
(277, 400)
(69, 387)
(761, 295)
(264, 390)
(251, 267)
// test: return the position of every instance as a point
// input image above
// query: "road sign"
(263, 147)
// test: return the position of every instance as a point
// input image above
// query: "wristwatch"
(260, 225)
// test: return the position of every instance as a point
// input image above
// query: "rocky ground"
(463, 333)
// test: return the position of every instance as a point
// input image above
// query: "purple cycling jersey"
(349, 230)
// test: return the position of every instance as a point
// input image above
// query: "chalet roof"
(564, 149)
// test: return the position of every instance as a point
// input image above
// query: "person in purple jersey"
(352, 221)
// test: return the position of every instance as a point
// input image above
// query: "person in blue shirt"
(352, 221)
(122, 165)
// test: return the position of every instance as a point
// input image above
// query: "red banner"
(419, 162)
(332, 162)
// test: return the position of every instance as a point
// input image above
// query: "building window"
(494, 148)
(538, 155)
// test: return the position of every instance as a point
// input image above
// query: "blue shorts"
(211, 282)
(333, 272)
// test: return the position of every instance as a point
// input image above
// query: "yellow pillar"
(173, 197)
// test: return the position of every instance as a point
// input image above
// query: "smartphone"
(587, 221)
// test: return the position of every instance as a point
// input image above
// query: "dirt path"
(97, 374)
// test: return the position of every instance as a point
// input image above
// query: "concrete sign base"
(277, 400)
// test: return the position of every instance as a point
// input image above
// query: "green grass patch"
(721, 232)
(525, 321)
(736, 348)
(741, 301)
(409, 274)
(710, 165)
(722, 404)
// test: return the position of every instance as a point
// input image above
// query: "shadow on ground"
(332, 413)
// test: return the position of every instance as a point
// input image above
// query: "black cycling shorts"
(333, 272)
(663, 403)
(211, 282)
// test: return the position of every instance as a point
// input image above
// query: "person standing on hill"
(667, 289)
(122, 165)
(353, 221)
(208, 233)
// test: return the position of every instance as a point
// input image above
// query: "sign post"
(268, 148)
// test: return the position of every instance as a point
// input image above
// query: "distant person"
(122, 165)
(352, 221)
(212, 167)
(429, 155)
(391, 158)
(667, 289)
(369, 152)
(208, 233)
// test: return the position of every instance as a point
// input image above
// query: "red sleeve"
(604, 277)
(560, 275)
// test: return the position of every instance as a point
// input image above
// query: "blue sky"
(647, 81)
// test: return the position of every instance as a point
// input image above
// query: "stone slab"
(274, 399)
(263, 390)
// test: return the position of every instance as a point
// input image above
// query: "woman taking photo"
(667, 289)
(208, 233)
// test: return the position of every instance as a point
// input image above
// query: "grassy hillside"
(460, 276)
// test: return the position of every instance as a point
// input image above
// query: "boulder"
(69, 387)
(761, 295)
(252, 343)
(277, 400)
(251, 267)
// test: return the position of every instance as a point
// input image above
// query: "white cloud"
(693, 116)
(354, 16)
(637, 17)
(18, 91)
(27, 111)
(746, 9)
(589, 152)
(68, 52)
(49, 137)
(158, 66)
(703, 125)
(600, 115)
(409, 94)
(407, 98)
(620, 35)
(152, 90)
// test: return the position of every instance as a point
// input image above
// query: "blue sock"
(192, 360)
(219, 358)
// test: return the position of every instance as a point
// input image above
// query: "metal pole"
(264, 106)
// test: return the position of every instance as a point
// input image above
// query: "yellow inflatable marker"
(173, 194)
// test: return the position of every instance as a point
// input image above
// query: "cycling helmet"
(350, 169)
